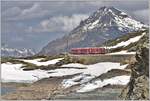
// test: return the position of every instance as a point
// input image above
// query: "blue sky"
(33, 24)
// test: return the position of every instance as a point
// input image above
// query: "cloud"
(124, 4)
(11, 12)
(42, 9)
(32, 12)
(59, 23)
(142, 15)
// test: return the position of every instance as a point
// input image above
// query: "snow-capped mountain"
(110, 17)
(104, 24)
(12, 52)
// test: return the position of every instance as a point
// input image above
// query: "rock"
(138, 87)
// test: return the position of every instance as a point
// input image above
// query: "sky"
(34, 23)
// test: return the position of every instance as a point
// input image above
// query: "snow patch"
(92, 25)
(14, 73)
(126, 43)
(74, 65)
(93, 69)
(38, 63)
(121, 53)
(91, 72)
(123, 13)
(118, 80)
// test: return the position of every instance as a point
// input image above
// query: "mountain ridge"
(104, 24)
(12, 52)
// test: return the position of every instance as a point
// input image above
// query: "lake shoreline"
(51, 88)
(38, 90)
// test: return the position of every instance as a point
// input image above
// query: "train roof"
(87, 47)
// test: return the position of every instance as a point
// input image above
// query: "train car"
(90, 50)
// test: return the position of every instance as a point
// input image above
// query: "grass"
(30, 66)
(10, 59)
(87, 59)
(33, 57)
(112, 73)
(52, 57)
(6, 59)
(67, 59)
(27, 65)
(124, 38)
(131, 46)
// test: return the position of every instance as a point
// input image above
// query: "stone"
(138, 87)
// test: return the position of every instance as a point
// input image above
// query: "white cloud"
(11, 12)
(130, 5)
(142, 15)
(33, 12)
(41, 9)
(16, 13)
(59, 23)
(33, 9)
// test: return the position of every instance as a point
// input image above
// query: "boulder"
(138, 87)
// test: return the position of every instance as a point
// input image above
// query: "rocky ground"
(106, 93)
(138, 87)
(51, 90)
(36, 91)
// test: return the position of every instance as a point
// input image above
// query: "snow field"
(118, 80)
(36, 61)
(91, 72)
(14, 72)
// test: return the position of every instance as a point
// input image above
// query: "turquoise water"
(5, 90)
(107, 94)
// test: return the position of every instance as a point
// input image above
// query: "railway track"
(95, 58)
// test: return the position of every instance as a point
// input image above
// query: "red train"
(90, 50)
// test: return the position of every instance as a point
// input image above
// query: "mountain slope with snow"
(12, 52)
(129, 42)
(104, 24)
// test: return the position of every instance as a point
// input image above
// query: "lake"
(5, 90)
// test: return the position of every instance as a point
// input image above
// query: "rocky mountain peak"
(104, 13)
(110, 17)
(104, 24)
(110, 11)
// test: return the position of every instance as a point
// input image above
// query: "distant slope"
(12, 52)
(104, 24)
(129, 42)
